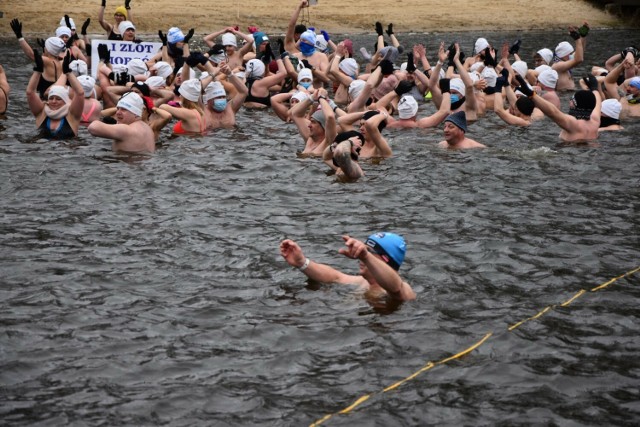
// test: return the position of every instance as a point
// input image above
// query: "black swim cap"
(371, 113)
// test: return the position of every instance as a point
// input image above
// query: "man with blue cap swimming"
(380, 258)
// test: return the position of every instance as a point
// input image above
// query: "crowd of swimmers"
(340, 103)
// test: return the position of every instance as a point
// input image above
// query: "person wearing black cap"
(583, 121)
(380, 257)
(520, 110)
(455, 128)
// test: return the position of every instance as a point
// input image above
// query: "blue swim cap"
(389, 246)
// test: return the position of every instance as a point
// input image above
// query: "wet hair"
(369, 114)
(525, 105)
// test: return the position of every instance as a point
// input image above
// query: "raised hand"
(390, 30)
(444, 85)
(379, 28)
(85, 26)
(591, 81)
(40, 43)
(67, 21)
(189, 35)
(411, 66)
(38, 63)
(163, 37)
(515, 47)
(66, 69)
(584, 29)
(103, 53)
(16, 26)
(573, 32)
(127, 4)
(524, 87)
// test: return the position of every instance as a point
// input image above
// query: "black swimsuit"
(114, 36)
(264, 100)
(63, 131)
(44, 84)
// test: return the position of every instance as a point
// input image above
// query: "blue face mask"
(219, 104)
(454, 98)
(307, 49)
(305, 85)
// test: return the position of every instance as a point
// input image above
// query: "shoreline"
(357, 18)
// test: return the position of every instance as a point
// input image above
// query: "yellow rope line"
(468, 350)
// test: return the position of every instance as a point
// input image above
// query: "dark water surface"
(151, 292)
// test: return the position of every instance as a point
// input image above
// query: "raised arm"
(371, 125)
(384, 275)
(469, 92)
(292, 253)
(104, 24)
(33, 99)
(289, 39)
(210, 39)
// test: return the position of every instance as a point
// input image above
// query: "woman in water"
(59, 117)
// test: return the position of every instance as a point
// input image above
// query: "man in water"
(130, 134)
(583, 121)
(380, 257)
(455, 128)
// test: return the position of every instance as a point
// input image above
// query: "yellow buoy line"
(468, 350)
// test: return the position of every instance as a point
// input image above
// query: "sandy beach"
(42, 17)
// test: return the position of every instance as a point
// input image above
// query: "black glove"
(163, 37)
(103, 53)
(379, 28)
(122, 78)
(505, 73)
(189, 35)
(444, 85)
(390, 30)
(193, 59)
(16, 26)
(524, 87)
(631, 49)
(584, 30)
(307, 65)
(108, 119)
(127, 4)
(489, 60)
(500, 83)
(574, 34)
(411, 67)
(67, 21)
(515, 47)
(403, 87)
(39, 64)
(386, 67)
(66, 69)
(451, 54)
(85, 26)
(104, 3)
(591, 81)
(137, 41)
(40, 43)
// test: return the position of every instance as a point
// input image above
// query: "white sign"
(123, 52)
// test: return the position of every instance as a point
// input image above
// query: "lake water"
(152, 292)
